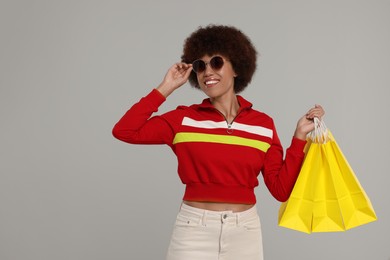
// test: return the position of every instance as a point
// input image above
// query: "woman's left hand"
(306, 123)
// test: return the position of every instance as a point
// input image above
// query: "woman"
(221, 144)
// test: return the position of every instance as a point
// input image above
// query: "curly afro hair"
(223, 40)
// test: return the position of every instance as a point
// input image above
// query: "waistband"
(220, 216)
(219, 193)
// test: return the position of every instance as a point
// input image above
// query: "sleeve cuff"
(159, 94)
(155, 98)
(297, 144)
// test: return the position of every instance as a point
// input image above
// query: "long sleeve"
(280, 175)
(138, 127)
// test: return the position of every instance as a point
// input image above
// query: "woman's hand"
(176, 76)
(306, 123)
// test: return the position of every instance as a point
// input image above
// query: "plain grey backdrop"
(70, 69)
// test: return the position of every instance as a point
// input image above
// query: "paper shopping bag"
(296, 213)
(355, 205)
(326, 211)
(327, 197)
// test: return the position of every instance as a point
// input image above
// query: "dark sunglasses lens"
(198, 66)
(216, 63)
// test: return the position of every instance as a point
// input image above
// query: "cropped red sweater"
(217, 161)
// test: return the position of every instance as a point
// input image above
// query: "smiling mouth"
(211, 83)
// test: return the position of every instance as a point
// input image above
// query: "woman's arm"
(281, 174)
(137, 126)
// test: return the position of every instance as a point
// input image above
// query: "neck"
(228, 106)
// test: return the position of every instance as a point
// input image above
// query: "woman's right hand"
(176, 76)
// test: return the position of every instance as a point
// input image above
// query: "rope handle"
(320, 133)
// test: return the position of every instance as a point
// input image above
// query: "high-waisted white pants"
(216, 235)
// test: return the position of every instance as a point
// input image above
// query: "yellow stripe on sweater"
(221, 139)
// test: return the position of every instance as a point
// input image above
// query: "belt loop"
(237, 219)
(204, 218)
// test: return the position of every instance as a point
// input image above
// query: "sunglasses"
(215, 63)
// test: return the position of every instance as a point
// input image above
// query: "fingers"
(181, 71)
(316, 111)
(182, 67)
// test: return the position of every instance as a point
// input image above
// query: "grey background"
(70, 69)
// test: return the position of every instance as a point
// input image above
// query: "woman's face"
(216, 82)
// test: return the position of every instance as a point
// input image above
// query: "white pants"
(216, 235)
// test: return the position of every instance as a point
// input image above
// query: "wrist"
(300, 135)
(164, 89)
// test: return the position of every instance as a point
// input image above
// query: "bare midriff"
(214, 206)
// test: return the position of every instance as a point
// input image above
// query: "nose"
(208, 70)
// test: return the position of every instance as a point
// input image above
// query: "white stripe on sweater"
(208, 124)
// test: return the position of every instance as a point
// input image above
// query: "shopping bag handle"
(319, 133)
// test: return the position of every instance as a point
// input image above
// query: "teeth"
(212, 82)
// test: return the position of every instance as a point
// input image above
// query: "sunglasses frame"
(211, 63)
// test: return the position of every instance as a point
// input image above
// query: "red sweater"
(217, 161)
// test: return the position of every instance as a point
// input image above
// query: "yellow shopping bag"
(327, 197)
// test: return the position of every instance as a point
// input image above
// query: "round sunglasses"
(215, 63)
